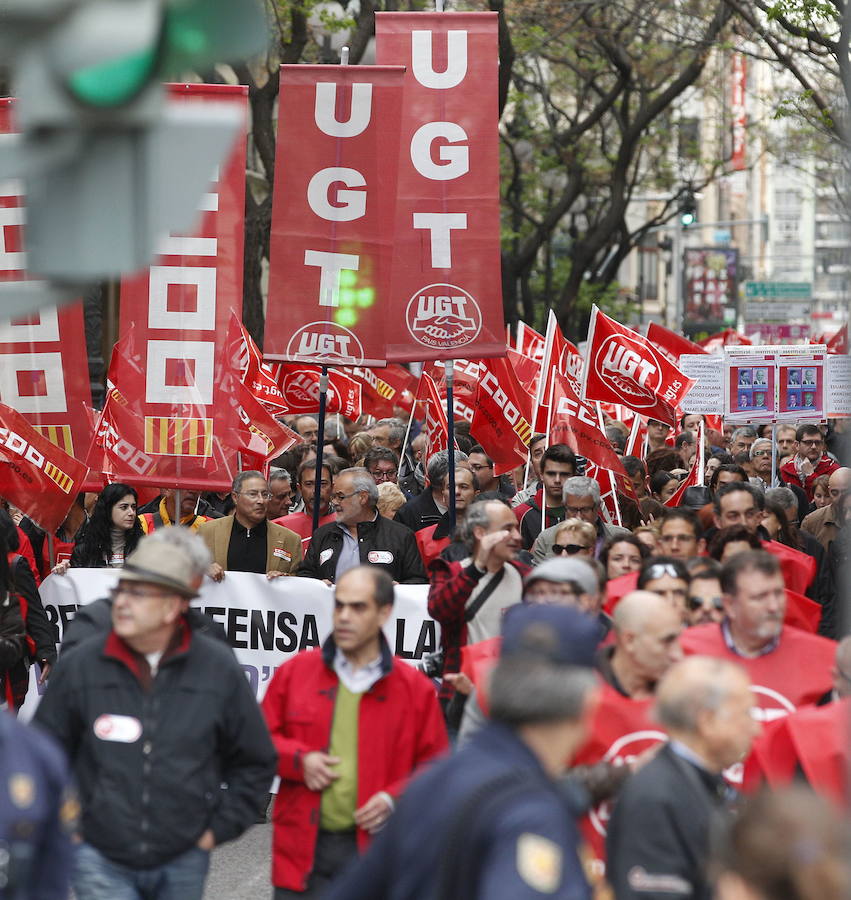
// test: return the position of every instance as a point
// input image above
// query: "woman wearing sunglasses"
(575, 538)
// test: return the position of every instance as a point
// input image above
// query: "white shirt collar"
(359, 680)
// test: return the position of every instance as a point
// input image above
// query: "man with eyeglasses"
(168, 746)
(824, 523)
(383, 464)
(246, 541)
(810, 460)
(789, 667)
(302, 522)
(359, 535)
(482, 466)
(668, 578)
(581, 501)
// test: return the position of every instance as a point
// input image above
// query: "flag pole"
(701, 470)
(449, 369)
(546, 445)
(320, 441)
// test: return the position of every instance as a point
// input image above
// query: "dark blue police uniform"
(517, 838)
(38, 811)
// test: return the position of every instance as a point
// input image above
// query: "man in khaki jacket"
(246, 541)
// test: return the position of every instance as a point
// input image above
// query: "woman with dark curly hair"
(112, 531)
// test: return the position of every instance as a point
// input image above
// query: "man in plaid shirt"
(468, 598)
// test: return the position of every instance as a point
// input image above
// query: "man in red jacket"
(809, 460)
(351, 723)
(789, 668)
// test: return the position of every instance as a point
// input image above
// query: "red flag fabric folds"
(502, 410)
(35, 475)
(624, 367)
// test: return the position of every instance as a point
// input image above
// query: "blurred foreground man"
(658, 842)
(492, 821)
(155, 719)
(350, 723)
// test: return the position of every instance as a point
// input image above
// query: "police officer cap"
(565, 571)
(560, 634)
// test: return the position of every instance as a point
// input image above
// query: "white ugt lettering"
(440, 226)
(324, 111)
(352, 203)
(422, 60)
(455, 160)
(331, 266)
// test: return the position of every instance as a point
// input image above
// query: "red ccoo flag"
(35, 475)
(501, 417)
(624, 367)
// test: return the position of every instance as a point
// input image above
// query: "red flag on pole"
(435, 426)
(299, 384)
(624, 367)
(332, 239)
(529, 342)
(253, 372)
(502, 410)
(671, 344)
(694, 477)
(446, 261)
(839, 342)
(35, 475)
(559, 355)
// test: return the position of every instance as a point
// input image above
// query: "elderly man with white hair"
(582, 501)
(659, 832)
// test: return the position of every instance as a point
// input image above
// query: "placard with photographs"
(750, 389)
(801, 385)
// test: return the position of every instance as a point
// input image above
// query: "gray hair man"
(361, 536)
(173, 727)
(581, 500)
(281, 489)
(761, 457)
(659, 833)
(246, 541)
(742, 439)
(491, 820)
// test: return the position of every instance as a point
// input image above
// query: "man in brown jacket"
(822, 524)
(246, 541)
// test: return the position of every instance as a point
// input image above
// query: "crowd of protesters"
(662, 660)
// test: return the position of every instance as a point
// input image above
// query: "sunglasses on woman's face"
(569, 549)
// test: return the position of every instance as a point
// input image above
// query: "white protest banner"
(837, 399)
(704, 397)
(266, 622)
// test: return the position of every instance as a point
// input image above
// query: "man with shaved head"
(647, 630)
(659, 831)
(823, 523)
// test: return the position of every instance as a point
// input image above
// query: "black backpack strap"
(483, 595)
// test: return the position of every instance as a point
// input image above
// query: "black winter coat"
(150, 756)
(383, 543)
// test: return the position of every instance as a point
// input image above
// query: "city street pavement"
(241, 870)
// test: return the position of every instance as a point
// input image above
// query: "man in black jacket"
(427, 508)
(658, 840)
(361, 536)
(155, 718)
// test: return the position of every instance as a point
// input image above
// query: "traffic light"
(688, 209)
(108, 166)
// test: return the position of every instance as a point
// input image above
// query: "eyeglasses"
(579, 510)
(383, 476)
(137, 594)
(816, 442)
(657, 570)
(256, 495)
(341, 497)
(479, 468)
(761, 453)
(695, 603)
(570, 549)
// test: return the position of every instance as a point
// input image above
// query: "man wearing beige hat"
(155, 718)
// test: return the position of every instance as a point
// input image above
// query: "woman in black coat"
(112, 532)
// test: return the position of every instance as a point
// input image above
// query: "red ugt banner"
(446, 262)
(35, 475)
(623, 367)
(332, 214)
(44, 372)
(181, 308)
